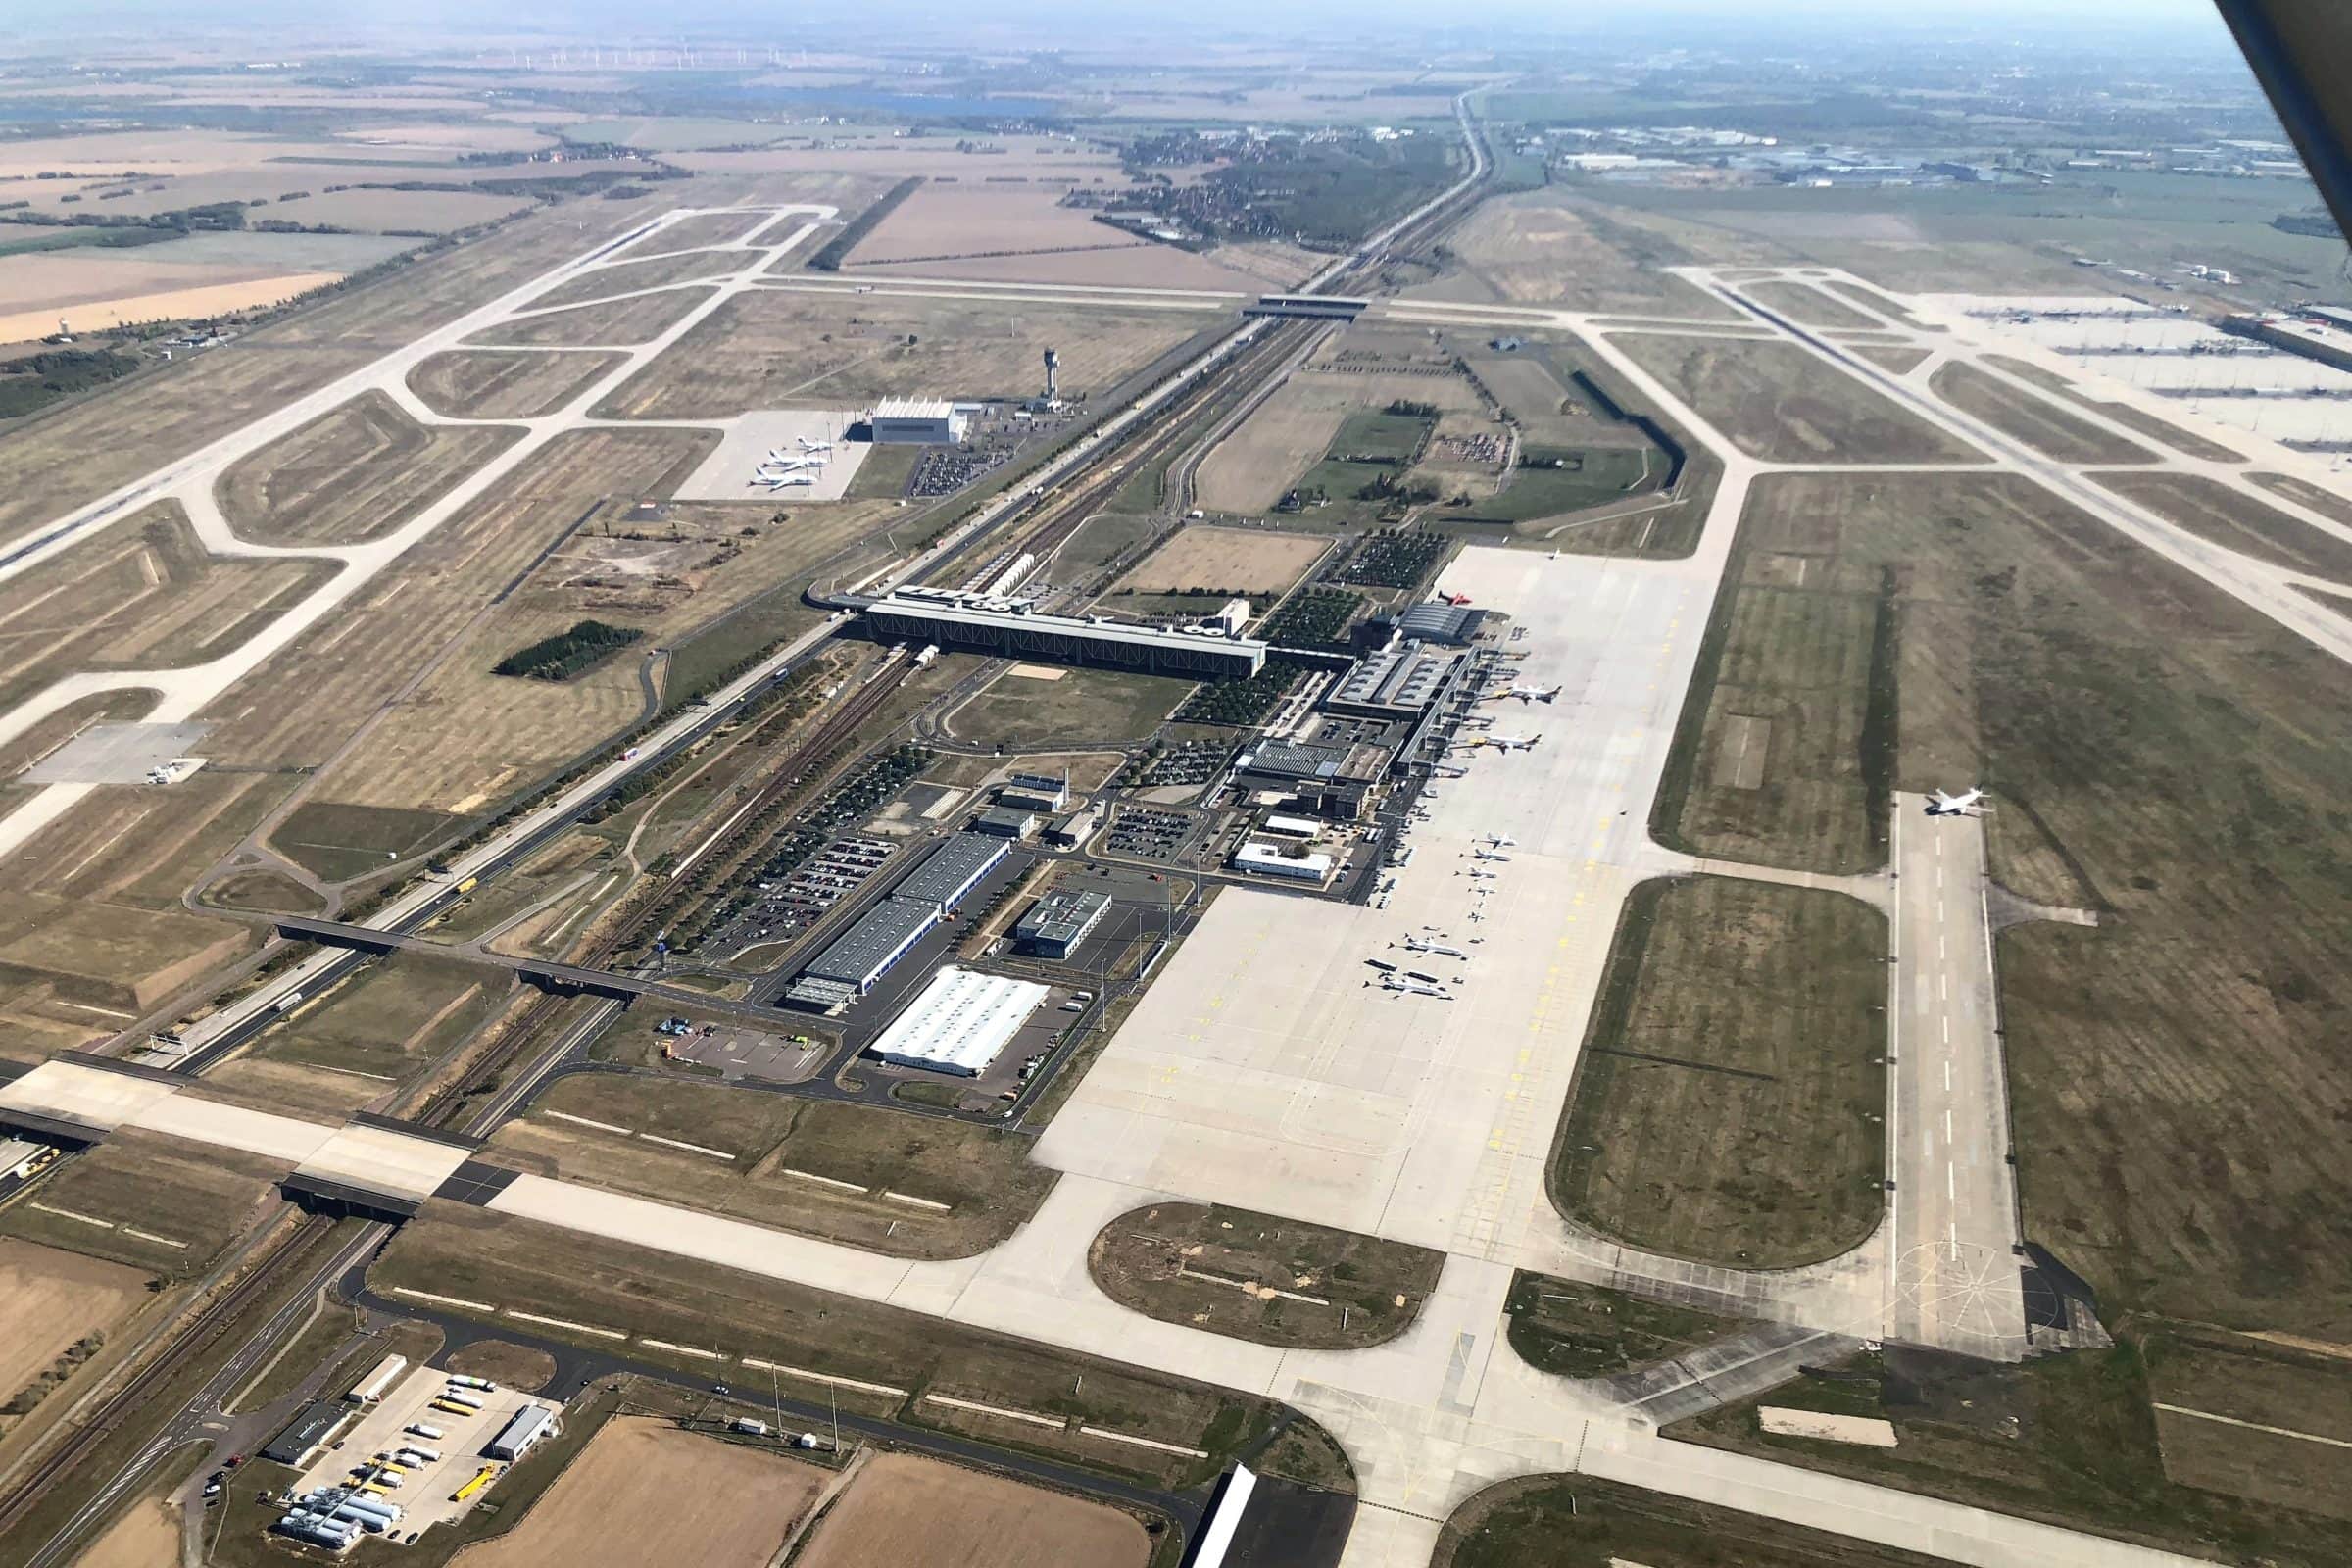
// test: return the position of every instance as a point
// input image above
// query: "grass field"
(49, 1298)
(62, 459)
(2173, 1073)
(1776, 401)
(1242, 560)
(1803, 303)
(1579, 1522)
(1724, 1101)
(488, 384)
(351, 475)
(388, 1021)
(111, 957)
(466, 737)
(170, 1207)
(2213, 511)
(647, 1492)
(984, 1176)
(627, 278)
(1260, 1277)
(1901, 361)
(338, 841)
(2077, 1439)
(2035, 420)
(138, 595)
(704, 229)
(620, 324)
(1574, 1330)
(2327, 503)
(1024, 713)
(1791, 758)
(782, 347)
(914, 1512)
(2155, 429)
(513, 1263)
(1553, 247)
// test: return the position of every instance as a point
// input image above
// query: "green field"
(391, 1019)
(1727, 1098)
(1022, 713)
(336, 840)
(170, 1207)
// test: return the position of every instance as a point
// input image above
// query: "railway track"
(790, 774)
(208, 1326)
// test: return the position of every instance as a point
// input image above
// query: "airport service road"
(185, 692)
(1954, 1203)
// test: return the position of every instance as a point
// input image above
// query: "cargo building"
(1058, 922)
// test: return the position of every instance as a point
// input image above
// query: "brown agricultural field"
(1131, 264)
(951, 221)
(494, 385)
(646, 1493)
(142, 593)
(914, 1512)
(620, 324)
(351, 475)
(628, 278)
(387, 1021)
(2213, 511)
(50, 1299)
(2035, 420)
(779, 347)
(1246, 560)
(2174, 1073)
(1778, 402)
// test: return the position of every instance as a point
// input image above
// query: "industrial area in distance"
(1208, 797)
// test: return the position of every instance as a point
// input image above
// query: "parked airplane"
(783, 480)
(1501, 840)
(1482, 876)
(1448, 770)
(1490, 855)
(1511, 743)
(1526, 694)
(1965, 803)
(1424, 944)
(807, 445)
(1415, 988)
(1455, 598)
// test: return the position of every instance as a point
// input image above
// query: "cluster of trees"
(836, 250)
(42, 378)
(1394, 557)
(567, 653)
(1240, 703)
(1409, 408)
(1313, 618)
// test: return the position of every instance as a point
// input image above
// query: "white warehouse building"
(959, 1023)
(916, 422)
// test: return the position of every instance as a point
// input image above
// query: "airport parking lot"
(738, 1050)
(1148, 833)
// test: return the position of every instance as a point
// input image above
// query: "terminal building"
(970, 623)
(1058, 922)
(961, 1023)
(1287, 861)
(916, 422)
(1438, 621)
(1401, 682)
(1331, 781)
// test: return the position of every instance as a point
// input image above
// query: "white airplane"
(1424, 944)
(1501, 840)
(1526, 694)
(1490, 855)
(789, 465)
(1482, 876)
(1965, 803)
(1413, 988)
(1447, 770)
(785, 480)
(1512, 743)
(807, 445)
